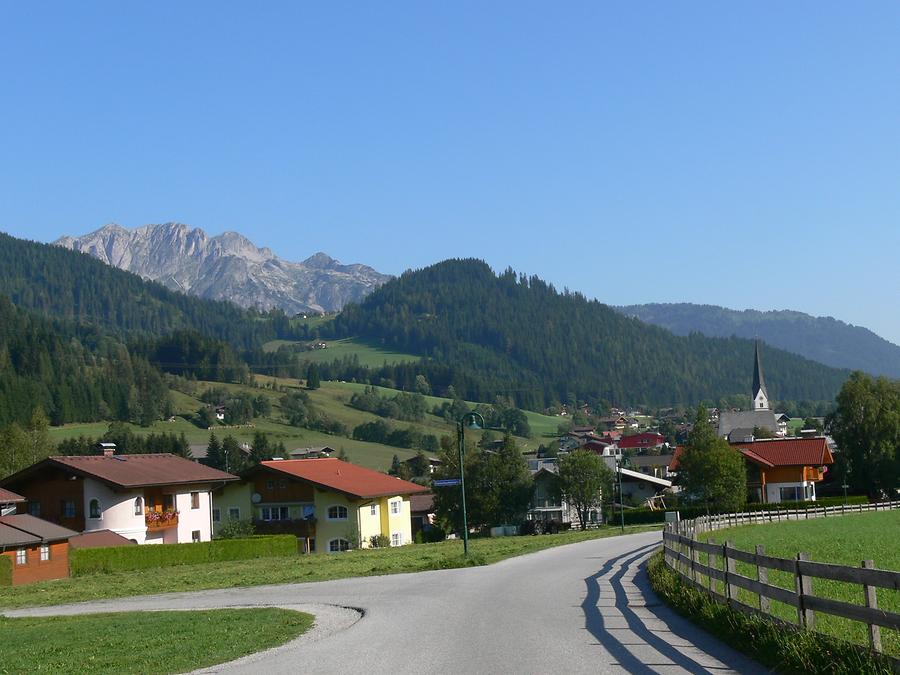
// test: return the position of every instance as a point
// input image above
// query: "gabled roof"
(421, 503)
(99, 539)
(788, 451)
(8, 497)
(637, 475)
(331, 473)
(23, 529)
(129, 471)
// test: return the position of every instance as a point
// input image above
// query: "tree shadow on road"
(630, 641)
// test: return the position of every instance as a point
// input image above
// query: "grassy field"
(143, 642)
(371, 356)
(845, 540)
(261, 571)
(331, 398)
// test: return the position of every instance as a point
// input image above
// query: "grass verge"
(143, 642)
(775, 645)
(261, 571)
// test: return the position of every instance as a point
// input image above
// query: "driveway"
(581, 608)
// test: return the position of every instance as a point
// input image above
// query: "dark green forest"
(510, 335)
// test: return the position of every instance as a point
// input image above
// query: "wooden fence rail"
(719, 578)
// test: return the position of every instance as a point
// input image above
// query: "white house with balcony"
(149, 499)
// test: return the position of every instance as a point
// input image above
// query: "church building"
(738, 427)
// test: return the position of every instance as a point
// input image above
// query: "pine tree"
(312, 377)
(215, 456)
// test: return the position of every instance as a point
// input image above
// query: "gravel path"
(581, 608)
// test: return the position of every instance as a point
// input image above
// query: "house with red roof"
(148, 499)
(643, 441)
(780, 469)
(331, 504)
(36, 549)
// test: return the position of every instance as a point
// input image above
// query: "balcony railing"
(160, 520)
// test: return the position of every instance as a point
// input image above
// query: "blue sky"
(740, 154)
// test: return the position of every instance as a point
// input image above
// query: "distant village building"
(739, 426)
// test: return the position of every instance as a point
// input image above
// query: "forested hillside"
(821, 339)
(517, 336)
(69, 285)
(72, 373)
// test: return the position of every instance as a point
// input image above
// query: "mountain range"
(228, 267)
(821, 339)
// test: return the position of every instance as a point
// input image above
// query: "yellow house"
(332, 505)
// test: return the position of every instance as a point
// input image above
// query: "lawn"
(845, 540)
(262, 571)
(371, 356)
(143, 642)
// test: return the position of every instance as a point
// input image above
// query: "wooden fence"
(683, 550)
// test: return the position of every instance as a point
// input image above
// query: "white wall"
(193, 519)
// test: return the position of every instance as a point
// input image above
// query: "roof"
(759, 382)
(8, 497)
(637, 475)
(788, 451)
(747, 419)
(99, 539)
(421, 503)
(130, 471)
(333, 474)
(25, 529)
(645, 439)
(650, 460)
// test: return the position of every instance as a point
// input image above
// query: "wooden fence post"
(872, 602)
(731, 591)
(711, 562)
(806, 618)
(762, 576)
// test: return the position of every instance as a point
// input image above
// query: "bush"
(236, 529)
(379, 541)
(126, 558)
(5, 570)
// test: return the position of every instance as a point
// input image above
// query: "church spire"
(760, 397)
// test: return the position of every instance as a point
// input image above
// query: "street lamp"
(461, 435)
(620, 464)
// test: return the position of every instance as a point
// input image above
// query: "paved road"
(582, 608)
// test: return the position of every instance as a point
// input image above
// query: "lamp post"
(461, 435)
(620, 464)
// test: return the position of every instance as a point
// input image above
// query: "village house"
(8, 501)
(642, 441)
(149, 499)
(37, 550)
(332, 505)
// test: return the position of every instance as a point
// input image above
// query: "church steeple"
(760, 397)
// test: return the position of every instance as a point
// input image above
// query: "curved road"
(581, 608)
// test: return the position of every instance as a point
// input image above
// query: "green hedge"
(125, 558)
(644, 516)
(5, 570)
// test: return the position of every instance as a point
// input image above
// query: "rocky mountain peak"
(228, 266)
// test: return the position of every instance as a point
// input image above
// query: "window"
(234, 512)
(373, 510)
(34, 508)
(396, 506)
(216, 516)
(397, 539)
(94, 509)
(169, 502)
(195, 500)
(275, 513)
(337, 545)
(282, 484)
(138, 507)
(45, 552)
(67, 508)
(309, 511)
(21, 557)
(270, 484)
(337, 513)
(791, 494)
(195, 536)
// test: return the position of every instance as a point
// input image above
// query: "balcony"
(160, 520)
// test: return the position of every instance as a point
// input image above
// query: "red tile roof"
(774, 452)
(788, 451)
(353, 480)
(7, 497)
(644, 440)
(131, 471)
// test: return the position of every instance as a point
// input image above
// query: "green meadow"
(845, 540)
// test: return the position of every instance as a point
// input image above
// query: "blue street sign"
(446, 482)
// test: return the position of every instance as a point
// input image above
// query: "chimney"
(108, 449)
